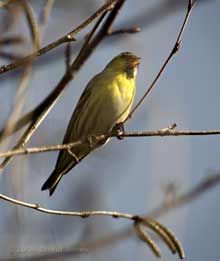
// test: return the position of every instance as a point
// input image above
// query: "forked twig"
(159, 229)
(165, 234)
(204, 186)
(146, 238)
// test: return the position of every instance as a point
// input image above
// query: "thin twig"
(32, 23)
(204, 186)
(44, 16)
(83, 214)
(69, 37)
(175, 49)
(168, 132)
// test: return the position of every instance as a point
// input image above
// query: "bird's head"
(125, 62)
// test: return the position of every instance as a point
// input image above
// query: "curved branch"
(166, 235)
(83, 214)
(204, 186)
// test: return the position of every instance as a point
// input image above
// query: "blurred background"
(132, 175)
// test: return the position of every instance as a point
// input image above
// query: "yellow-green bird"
(104, 104)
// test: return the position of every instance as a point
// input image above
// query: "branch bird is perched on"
(105, 103)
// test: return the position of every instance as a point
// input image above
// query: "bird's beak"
(136, 61)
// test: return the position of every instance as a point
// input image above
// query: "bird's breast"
(123, 91)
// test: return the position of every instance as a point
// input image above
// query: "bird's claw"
(119, 130)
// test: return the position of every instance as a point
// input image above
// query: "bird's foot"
(119, 130)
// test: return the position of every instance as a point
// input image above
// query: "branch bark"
(96, 139)
(204, 186)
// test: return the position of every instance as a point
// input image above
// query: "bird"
(104, 104)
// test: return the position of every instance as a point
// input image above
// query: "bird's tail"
(52, 182)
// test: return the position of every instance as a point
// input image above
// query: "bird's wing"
(65, 160)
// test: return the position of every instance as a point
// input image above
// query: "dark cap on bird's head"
(130, 58)
(126, 61)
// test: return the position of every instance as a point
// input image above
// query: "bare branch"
(83, 214)
(204, 186)
(188, 197)
(173, 51)
(31, 21)
(166, 235)
(162, 133)
(170, 132)
(69, 37)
